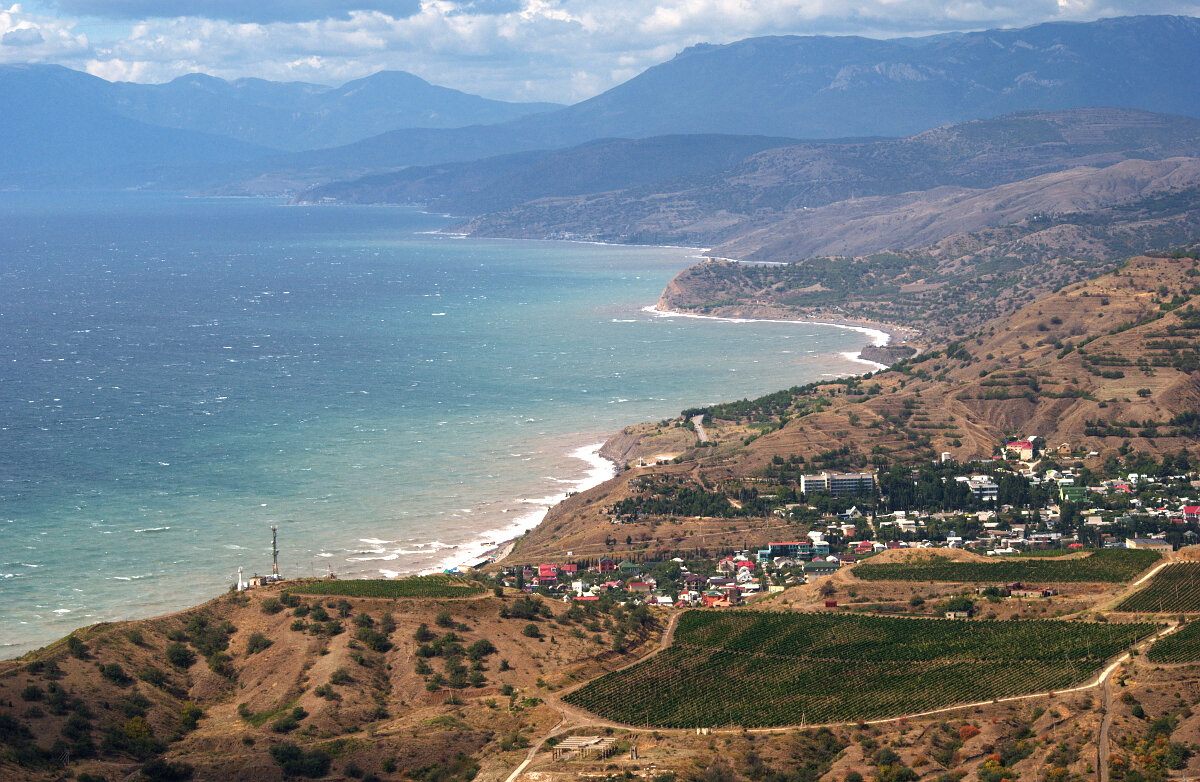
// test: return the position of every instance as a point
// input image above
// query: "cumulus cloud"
(563, 50)
(27, 37)
(234, 10)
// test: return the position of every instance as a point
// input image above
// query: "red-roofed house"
(1022, 448)
(1191, 512)
(547, 574)
(569, 570)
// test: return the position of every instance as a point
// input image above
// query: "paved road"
(698, 422)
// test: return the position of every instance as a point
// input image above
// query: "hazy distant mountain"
(280, 116)
(53, 126)
(296, 116)
(828, 87)
(837, 87)
(507, 180)
(761, 192)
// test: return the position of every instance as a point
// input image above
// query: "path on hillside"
(698, 422)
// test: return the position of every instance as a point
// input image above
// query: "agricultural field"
(1181, 646)
(758, 669)
(1107, 565)
(417, 586)
(1174, 589)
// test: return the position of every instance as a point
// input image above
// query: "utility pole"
(274, 553)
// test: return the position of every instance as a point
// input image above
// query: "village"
(1022, 500)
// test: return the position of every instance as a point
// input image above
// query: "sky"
(552, 50)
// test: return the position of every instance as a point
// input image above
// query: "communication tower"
(274, 553)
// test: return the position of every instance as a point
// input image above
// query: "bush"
(340, 676)
(32, 693)
(290, 721)
(531, 631)
(77, 647)
(189, 716)
(180, 656)
(443, 619)
(271, 606)
(114, 673)
(256, 643)
(159, 770)
(387, 624)
(481, 649)
(424, 634)
(295, 762)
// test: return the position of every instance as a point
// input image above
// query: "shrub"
(444, 619)
(77, 647)
(189, 716)
(256, 643)
(159, 770)
(424, 634)
(32, 693)
(271, 606)
(340, 676)
(290, 721)
(387, 624)
(481, 649)
(114, 673)
(295, 762)
(531, 631)
(180, 656)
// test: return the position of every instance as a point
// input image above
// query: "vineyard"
(417, 586)
(1107, 565)
(1181, 646)
(757, 669)
(1174, 589)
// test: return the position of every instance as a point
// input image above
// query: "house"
(1023, 449)
(817, 568)
(726, 565)
(958, 614)
(638, 586)
(1191, 512)
(547, 574)
(629, 567)
(1148, 544)
(607, 565)
(568, 570)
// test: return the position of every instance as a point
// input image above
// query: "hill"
(269, 684)
(822, 87)
(746, 209)
(1099, 365)
(502, 182)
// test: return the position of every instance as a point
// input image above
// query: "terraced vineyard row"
(1108, 565)
(1181, 646)
(418, 586)
(767, 669)
(1174, 589)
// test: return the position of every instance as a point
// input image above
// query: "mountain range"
(805, 87)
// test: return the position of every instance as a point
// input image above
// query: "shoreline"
(601, 469)
(880, 337)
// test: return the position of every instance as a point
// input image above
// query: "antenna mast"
(274, 553)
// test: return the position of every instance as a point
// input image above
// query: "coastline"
(498, 543)
(879, 337)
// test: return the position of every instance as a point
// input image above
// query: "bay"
(178, 375)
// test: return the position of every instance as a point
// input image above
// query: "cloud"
(27, 37)
(262, 11)
(563, 50)
(22, 36)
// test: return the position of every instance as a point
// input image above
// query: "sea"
(178, 375)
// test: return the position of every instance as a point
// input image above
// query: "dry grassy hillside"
(221, 696)
(1096, 366)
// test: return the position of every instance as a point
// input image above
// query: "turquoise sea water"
(176, 375)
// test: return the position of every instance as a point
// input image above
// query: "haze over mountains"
(788, 86)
